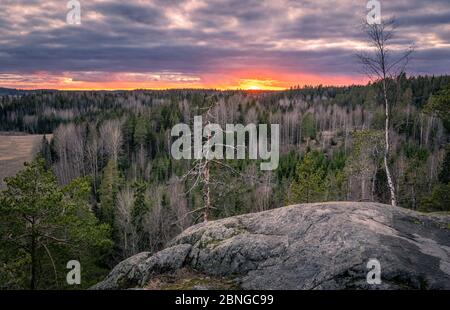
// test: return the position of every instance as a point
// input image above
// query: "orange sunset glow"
(271, 81)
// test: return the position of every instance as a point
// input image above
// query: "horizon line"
(186, 88)
(219, 89)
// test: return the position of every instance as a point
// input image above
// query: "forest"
(106, 187)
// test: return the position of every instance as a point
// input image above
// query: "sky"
(224, 44)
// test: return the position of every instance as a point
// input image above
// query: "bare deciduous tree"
(92, 151)
(128, 236)
(111, 135)
(178, 204)
(384, 66)
(70, 148)
(365, 159)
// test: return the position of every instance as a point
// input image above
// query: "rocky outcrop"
(308, 246)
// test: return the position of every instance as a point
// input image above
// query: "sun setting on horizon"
(256, 84)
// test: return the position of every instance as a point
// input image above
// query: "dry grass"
(187, 279)
(14, 151)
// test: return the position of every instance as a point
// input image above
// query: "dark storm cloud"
(131, 12)
(199, 37)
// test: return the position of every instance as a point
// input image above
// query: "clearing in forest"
(14, 151)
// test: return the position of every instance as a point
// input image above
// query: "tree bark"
(206, 193)
(387, 146)
(363, 189)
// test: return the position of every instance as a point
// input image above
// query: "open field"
(14, 151)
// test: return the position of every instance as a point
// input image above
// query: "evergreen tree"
(308, 127)
(439, 200)
(413, 186)
(46, 152)
(440, 105)
(309, 183)
(42, 227)
(109, 188)
(140, 131)
(140, 207)
(444, 175)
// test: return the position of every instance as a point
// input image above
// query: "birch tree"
(384, 65)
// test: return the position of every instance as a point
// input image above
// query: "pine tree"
(308, 127)
(439, 200)
(140, 207)
(309, 183)
(108, 192)
(140, 132)
(43, 226)
(440, 106)
(444, 175)
(46, 152)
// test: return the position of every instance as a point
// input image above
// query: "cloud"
(198, 38)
